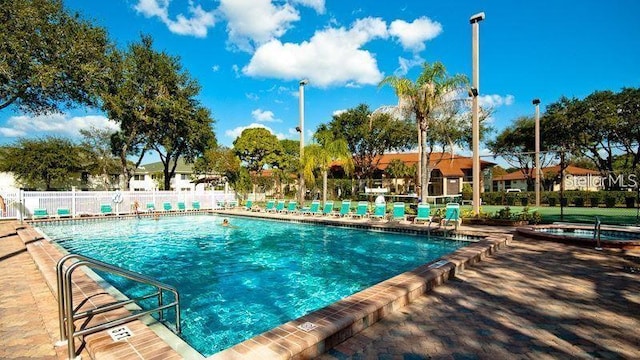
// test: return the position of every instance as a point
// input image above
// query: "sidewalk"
(532, 300)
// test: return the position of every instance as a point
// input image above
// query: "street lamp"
(536, 103)
(475, 122)
(300, 128)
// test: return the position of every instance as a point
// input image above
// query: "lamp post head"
(304, 82)
(535, 101)
(476, 18)
(473, 92)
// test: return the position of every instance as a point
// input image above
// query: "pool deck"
(530, 299)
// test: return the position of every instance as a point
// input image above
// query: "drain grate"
(120, 333)
(308, 326)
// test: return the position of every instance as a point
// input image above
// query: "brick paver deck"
(534, 300)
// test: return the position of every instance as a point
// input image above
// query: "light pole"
(536, 103)
(301, 130)
(475, 122)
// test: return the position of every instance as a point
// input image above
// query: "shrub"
(610, 201)
(594, 199)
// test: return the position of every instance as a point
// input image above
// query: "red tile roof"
(448, 164)
(570, 170)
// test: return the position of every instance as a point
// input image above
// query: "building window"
(184, 177)
(138, 177)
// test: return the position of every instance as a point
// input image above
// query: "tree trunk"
(419, 165)
(324, 186)
(424, 159)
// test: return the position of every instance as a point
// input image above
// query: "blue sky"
(249, 55)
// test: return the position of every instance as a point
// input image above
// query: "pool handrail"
(67, 314)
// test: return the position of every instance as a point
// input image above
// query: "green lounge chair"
(314, 209)
(424, 214)
(361, 209)
(345, 208)
(271, 206)
(106, 209)
(398, 212)
(279, 206)
(40, 213)
(151, 207)
(167, 206)
(328, 208)
(181, 206)
(248, 205)
(380, 212)
(452, 214)
(195, 205)
(63, 212)
(292, 207)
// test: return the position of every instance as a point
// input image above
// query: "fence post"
(21, 207)
(73, 201)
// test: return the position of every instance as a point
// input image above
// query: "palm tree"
(321, 155)
(424, 99)
(397, 169)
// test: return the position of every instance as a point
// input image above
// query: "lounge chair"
(231, 204)
(345, 208)
(220, 204)
(279, 206)
(314, 209)
(271, 206)
(398, 212)
(106, 209)
(195, 205)
(361, 209)
(292, 207)
(424, 213)
(248, 205)
(40, 214)
(380, 212)
(452, 214)
(328, 208)
(167, 206)
(151, 207)
(63, 212)
(181, 206)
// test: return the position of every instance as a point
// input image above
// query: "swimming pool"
(611, 238)
(237, 282)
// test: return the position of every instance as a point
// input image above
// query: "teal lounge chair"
(398, 212)
(195, 205)
(280, 206)
(231, 204)
(63, 212)
(248, 205)
(151, 207)
(220, 204)
(292, 207)
(424, 214)
(328, 208)
(361, 210)
(106, 209)
(452, 214)
(345, 208)
(167, 206)
(380, 212)
(181, 206)
(40, 214)
(314, 209)
(271, 206)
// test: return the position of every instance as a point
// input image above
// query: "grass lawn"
(617, 216)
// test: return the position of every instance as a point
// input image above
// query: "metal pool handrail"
(596, 233)
(67, 315)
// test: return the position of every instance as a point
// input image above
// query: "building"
(150, 177)
(575, 178)
(448, 175)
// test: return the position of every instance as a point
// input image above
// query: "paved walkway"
(534, 300)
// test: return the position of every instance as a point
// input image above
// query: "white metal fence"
(22, 204)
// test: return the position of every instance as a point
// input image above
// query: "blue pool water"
(589, 234)
(237, 282)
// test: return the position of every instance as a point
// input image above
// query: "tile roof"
(570, 170)
(450, 165)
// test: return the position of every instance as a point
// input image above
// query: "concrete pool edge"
(533, 232)
(341, 320)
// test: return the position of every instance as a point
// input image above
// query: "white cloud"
(317, 5)
(339, 112)
(413, 35)
(234, 133)
(215, 68)
(54, 124)
(407, 64)
(495, 100)
(332, 57)
(260, 115)
(195, 25)
(252, 96)
(254, 22)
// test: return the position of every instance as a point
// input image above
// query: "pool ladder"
(67, 314)
(596, 233)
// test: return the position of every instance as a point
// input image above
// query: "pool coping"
(329, 326)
